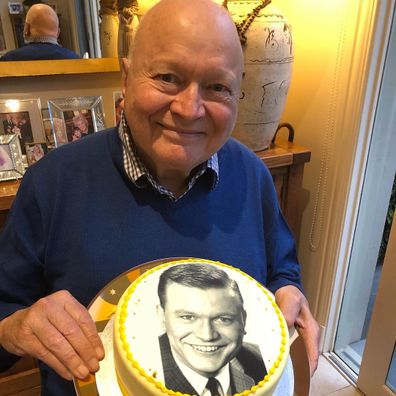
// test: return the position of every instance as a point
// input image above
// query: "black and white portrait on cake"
(202, 347)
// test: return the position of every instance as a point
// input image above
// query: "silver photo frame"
(75, 117)
(11, 160)
(22, 117)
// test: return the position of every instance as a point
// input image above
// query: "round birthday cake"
(192, 327)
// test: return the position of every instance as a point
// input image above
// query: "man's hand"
(295, 309)
(59, 331)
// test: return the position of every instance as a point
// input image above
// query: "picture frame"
(22, 117)
(73, 118)
(118, 98)
(11, 160)
(35, 151)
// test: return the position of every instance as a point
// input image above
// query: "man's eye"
(220, 88)
(225, 320)
(168, 78)
(187, 318)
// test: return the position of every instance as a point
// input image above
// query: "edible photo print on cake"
(203, 317)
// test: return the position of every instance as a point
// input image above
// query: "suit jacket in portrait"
(246, 369)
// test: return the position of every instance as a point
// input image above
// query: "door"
(378, 369)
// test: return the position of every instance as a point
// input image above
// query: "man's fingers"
(309, 330)
(295, 309)
(61, 339)
(51, 360)
(87, 326)
(64, 333)
(59, 331)
(289, 300)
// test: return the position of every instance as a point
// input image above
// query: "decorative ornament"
(127, 10)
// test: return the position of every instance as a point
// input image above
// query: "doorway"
(364, 342)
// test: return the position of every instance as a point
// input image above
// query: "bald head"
(202, 20)
(41, 20)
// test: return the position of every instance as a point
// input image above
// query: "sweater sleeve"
(21, 246)
(283, 267)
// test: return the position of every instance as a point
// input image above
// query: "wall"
(333, 53)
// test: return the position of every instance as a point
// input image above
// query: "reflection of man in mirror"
(41, 33)
(202, 349)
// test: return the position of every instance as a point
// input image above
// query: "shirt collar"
(141, 176)
(198, 382)
(41, 39)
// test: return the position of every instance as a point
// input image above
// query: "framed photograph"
(22, 117)
(11, 160)
(35, 151)
(118, 99)
(75, 117)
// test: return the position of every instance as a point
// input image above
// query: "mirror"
(79, 25)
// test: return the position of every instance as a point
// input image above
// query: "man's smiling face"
(182, 86)
(205, 326)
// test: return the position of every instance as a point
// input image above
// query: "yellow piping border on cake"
(159, 385)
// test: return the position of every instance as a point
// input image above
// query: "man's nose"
(188, 103)
(205, 330)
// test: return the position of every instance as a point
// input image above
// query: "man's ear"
(124, 74)
(244, 316)
(161, 317)
(26, 29)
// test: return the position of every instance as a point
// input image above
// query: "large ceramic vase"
(108, 28)
(268, 56)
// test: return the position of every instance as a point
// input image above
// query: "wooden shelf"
(58, 67)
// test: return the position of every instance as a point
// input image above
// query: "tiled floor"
(327, 381)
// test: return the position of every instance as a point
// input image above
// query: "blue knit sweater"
(78, 221)
(39, 51)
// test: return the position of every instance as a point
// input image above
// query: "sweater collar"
(41, 39)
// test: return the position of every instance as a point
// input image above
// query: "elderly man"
(161, 185)
(41, 33)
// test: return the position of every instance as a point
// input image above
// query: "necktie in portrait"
(214, 387)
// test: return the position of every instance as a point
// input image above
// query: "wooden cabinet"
(286, 163)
